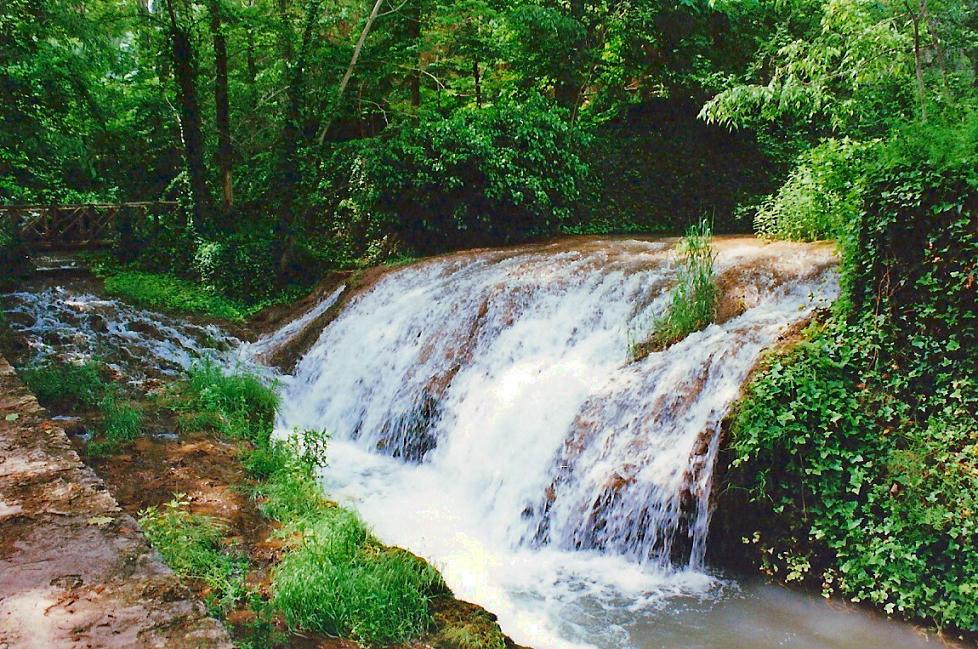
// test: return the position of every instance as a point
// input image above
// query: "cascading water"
(488, 402)
(487, 414)
(77, 325)
(270, 342)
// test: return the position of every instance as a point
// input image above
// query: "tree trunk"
(349, 69)
(414, 34)
(566, 91)
(919, 66)
(185, 73)
(224, 155)
(288, 176)
(478, 84)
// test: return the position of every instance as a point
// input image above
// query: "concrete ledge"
(75, 571)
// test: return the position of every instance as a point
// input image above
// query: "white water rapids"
(487, 414)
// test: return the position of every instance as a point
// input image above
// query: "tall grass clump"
(341, 581)
(65, 386)
(191, 544)
(337, 578)
(694, 300)
(237, 405)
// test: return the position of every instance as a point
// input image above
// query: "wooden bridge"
(73, 227)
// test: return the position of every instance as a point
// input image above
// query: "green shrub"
(858, 449)
(242, 265)
(66, 386)
(694, 300)
(169, 293)
(192, 545)
(821, 197)
(340, 581)
(499, 173)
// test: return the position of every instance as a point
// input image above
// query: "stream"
(488, 414)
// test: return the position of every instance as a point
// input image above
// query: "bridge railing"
(88, 225)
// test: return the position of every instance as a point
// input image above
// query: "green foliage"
(499, 173)
(820, 199)
(161, 291)
(340, 581)
(240, 265)
(337, 579)
(694, 299)
(237, 405)
(121, 423)
(193, 546)
(66, 386)
(859, 447)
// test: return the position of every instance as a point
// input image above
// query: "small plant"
(694, 300)
(236, 405)
(191, 544)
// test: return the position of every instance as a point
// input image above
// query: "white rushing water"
(487, 415)
(274, 340)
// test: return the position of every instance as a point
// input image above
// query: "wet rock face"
(509, 371)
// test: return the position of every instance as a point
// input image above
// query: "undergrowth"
(858, 450)
(335, 577)
(70, 387)
(169, 293)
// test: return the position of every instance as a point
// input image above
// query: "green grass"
(341, 581)
(192, 545)
(121, 424)
(337, 579)
(66, 386)
(694, 300)
(169, 293)
(236, 405)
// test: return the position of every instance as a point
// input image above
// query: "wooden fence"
(65, 227)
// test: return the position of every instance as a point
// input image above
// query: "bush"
(242, 265)
(494, 174)
(820, 198)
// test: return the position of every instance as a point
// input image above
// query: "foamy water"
(487, 415)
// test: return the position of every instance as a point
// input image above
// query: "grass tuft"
(236, 405)
(191, 544)
(65, 386)
(695, 298)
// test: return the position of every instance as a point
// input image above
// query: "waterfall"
(499, 385)
(267, 344)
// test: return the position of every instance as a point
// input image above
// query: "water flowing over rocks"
(522, 355)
